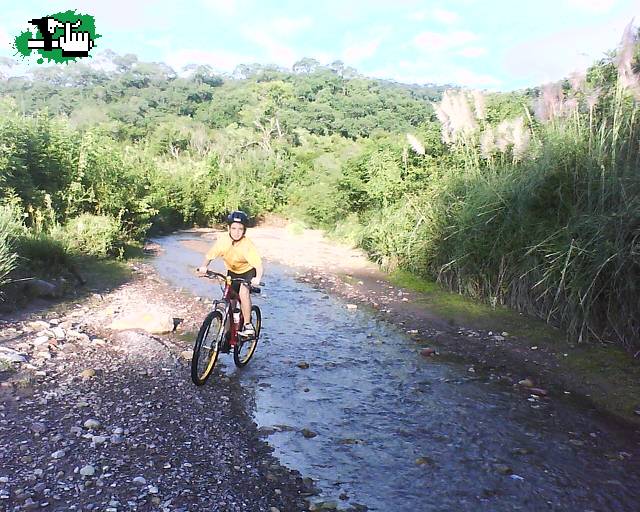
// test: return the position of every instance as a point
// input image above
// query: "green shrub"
(93, 235)
(11, 227)
(41, 254)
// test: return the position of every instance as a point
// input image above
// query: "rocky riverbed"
(95, 418)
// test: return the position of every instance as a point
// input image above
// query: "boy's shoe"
(247, 331)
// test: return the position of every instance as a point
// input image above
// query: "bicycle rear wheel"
(244, 349)
(207, 348)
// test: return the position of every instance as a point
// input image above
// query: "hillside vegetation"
(529, 199)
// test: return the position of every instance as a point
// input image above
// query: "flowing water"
(397, 432)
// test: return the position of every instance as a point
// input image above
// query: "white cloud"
(439, 41)
(552, 58)
(226, 7)
(472, 52)
(599, 6)
(444, 16)
(361, 50)
(421, 72)
(5, 41)
(220, 60)
(276, 52)
(289, 26)
(470, 78)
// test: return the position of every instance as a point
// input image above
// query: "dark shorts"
(248, 275)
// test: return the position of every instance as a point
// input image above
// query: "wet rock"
(538, 391)
(428, 352)
(526, 383)
(350, 440)
(303, 365)
(425, 461)
(309, 434)
(323, 505)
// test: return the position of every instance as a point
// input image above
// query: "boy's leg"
(245, 304)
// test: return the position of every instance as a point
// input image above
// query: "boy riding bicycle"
(241, 260)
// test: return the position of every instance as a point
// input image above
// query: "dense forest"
(529, 199)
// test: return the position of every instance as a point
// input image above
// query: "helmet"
(238, 216)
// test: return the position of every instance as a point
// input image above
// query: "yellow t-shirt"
(239, 257)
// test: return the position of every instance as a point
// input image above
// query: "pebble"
(92, 424)
(59, 333)
(98, 439)
(58, 454)
(428, 352)
(88, 373)
(139, 480)
(40, 340)
(352, 306)
(303, 365)
(309, 434)
(38, 428)
(88, 470)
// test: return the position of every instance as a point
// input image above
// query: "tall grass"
(555, 233)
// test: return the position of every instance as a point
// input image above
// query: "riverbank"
(98, 412)
(524, 351)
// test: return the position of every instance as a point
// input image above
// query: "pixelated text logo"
(58, 37)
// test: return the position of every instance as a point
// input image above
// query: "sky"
(482, 44)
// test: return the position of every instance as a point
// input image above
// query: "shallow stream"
(398, 432)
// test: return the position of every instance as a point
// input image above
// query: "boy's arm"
(211, 255)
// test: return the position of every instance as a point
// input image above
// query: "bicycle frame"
(230, 300)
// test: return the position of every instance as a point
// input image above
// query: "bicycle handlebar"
(217, 275)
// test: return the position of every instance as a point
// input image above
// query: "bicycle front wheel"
(244, 349)
(207, 348)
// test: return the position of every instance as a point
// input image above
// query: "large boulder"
(149, 320)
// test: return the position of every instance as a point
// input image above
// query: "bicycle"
(219, 331)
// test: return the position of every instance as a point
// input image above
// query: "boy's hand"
(255, 282)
